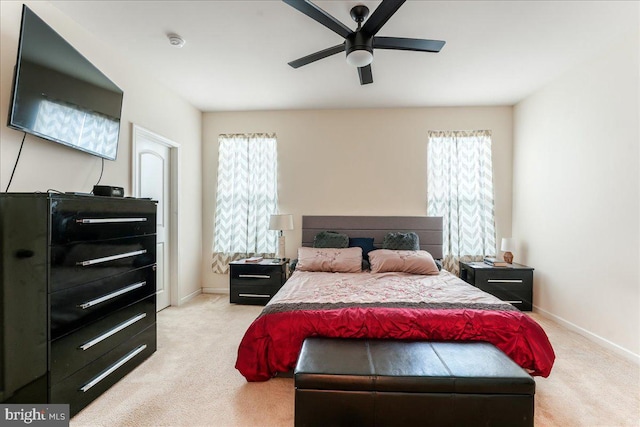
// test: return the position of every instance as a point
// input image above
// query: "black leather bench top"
(409, 366)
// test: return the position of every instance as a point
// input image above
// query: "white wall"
(353, 162)
(576, 196)
(45, 165)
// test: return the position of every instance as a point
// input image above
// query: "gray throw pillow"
(330, 239)
(401, 241)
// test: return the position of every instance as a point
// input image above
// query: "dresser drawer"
(75, 350)
(78, 263)
(85, 385)
(74, 220)
(73, 307)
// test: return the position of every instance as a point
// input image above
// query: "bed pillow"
(366, 243)
(415, 262)
(401, 241)
(330, 239)
(334, 260)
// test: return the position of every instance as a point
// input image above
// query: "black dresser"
(513, 284)
(78, 310)
(256, 283)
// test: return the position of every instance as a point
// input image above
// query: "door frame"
(174, 157)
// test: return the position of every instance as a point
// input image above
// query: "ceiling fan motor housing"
(358, 41)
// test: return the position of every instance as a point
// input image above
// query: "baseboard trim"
(627, 354)
(190, 296)
(211, 290)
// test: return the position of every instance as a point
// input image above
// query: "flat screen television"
(60, 96)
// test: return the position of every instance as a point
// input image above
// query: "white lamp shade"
(508, 245)
(360, 58)
(281, 222)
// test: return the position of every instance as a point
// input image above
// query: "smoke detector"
(175, 40)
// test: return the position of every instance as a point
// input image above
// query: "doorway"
(155, 174)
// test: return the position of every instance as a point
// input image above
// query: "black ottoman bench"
(361, 382)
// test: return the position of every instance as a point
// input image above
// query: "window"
(460, 189)
(245, 198)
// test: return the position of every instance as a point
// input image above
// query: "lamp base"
(508, 257)
(280, 253)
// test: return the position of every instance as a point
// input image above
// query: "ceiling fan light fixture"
(359, 49)
(360, 58)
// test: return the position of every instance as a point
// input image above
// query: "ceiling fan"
(359, 44)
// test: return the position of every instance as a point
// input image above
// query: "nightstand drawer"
(255, 283)
(503, 277)
(513, 284)
(247, 272)
(253, 294)
(521, 299)
(257, 279)
(510, 285)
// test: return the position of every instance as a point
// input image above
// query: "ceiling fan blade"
(381, 15)
(317, 56)
(400, 43)
(317, 14)
(365, 75)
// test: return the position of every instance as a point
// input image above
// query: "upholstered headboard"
(428, 228)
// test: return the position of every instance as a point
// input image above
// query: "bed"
(384, 305)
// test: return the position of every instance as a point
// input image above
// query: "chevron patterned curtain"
(247, 194)
(460, 189)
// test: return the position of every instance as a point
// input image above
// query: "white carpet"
(191, 379)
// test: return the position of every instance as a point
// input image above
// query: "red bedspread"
(273, 341)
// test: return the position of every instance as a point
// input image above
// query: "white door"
(152, 166)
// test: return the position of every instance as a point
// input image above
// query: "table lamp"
(280, 223)
(507, 246)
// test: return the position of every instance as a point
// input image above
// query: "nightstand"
(256, 282)
(513, 284)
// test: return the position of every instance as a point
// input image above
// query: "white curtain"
(460, 189)
(247, 194)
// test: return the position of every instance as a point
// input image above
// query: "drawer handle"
(254, 276)
(110, 258)
(108, 220)
(113, 331)
(113, 368)
(254, 295)
(514, 302)
(107, 297)
(504, 280)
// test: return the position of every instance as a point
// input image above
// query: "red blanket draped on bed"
(273, 341)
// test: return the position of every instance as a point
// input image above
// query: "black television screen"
(60, 96)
